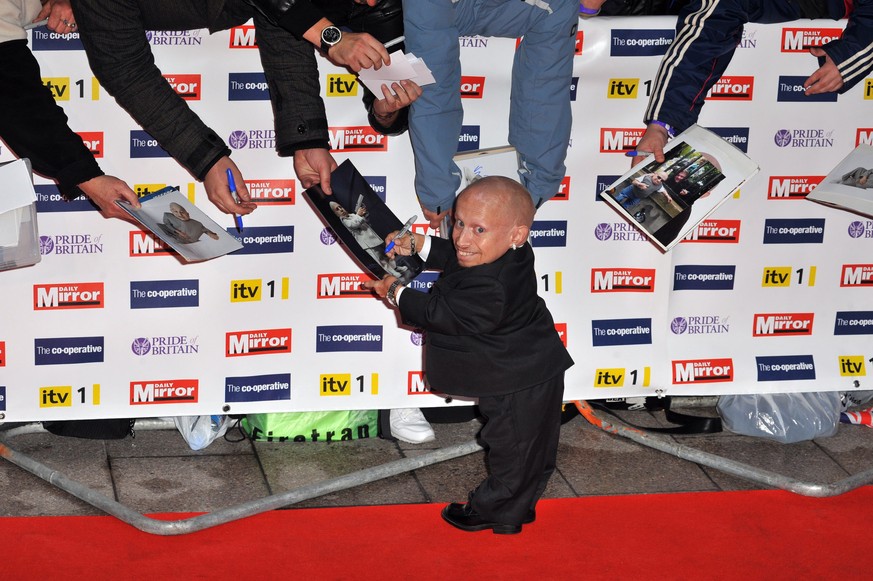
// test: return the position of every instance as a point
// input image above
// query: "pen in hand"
(232, 185)
(402, 233)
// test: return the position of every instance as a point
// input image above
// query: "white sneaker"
(410, 426)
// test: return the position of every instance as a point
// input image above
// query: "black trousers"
(520, 436)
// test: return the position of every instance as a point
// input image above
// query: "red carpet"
(768, 535)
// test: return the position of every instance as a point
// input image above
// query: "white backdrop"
(773, 294)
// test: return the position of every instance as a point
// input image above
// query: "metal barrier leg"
(727, 465)
(204, 521)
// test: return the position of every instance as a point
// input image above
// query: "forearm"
(35, 127)
(853, 52)
(120, 56)
(292, 75)
(295, 16)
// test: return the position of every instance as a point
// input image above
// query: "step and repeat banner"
(772, 293)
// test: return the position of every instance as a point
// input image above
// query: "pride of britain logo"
(803, 138)
(858, 229)
(617, 231)
(252, 139)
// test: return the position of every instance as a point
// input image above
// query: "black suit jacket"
(488, 332)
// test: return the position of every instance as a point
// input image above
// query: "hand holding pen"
(231, 183)
(401, 234)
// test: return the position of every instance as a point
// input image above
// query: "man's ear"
(519, 235)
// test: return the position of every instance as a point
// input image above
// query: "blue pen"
(635, 153)
(232, 185)
(402, 233)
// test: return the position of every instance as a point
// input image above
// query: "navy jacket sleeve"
(853, 51)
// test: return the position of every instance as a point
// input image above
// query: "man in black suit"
(489, 335)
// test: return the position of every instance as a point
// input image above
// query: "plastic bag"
(784, 417)
(200, 431)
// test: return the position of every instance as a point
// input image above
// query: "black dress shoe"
(462, 516)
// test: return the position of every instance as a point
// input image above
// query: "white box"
(19, 234)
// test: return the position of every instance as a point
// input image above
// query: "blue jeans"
(539, 118)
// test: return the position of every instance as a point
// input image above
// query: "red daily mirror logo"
(2, 353)
(93, 140)
(715, 231)
(164, 391)
(864, 136)
(732, 88)
(803, 39)
(792, 187)
(242, 37)
(782, 324)
(145, 244)
(619, 140)
(580, 42)
(561, 328)
(472, 87)
(563, 190)
(186, 86)
(358, 138)
(415, 384)
(703, 371)
(343, 286)
(857, 275)
(277, 192)
(260, 342)
(78, 295)
(622, 280)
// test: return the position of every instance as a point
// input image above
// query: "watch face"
(331, 35)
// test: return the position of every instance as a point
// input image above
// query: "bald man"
(490, 336)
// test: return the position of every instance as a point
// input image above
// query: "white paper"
(403, 67)
(17, 184)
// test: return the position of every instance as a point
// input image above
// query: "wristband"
(588, 12)
(670, 131)
(411, 244)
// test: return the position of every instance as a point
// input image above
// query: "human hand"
(359, 50)
(218, 190)
(434, 218)
(313, 166)
(824, 80)
(652, 141)
(104, 190)
(60, 16)
(380, 287)
(395, 98)
(403, 244)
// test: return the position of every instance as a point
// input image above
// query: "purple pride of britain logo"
(603, 231)
(782, 138)
(856, 229)
(46, 245)
(140, 346)
(238, 139)
(679, 325)
(327, 237)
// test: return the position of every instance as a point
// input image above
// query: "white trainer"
(410, 426)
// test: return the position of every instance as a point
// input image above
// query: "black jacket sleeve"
(35, 127)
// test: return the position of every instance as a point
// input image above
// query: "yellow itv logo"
(852, 365)
(244, 291)
(622, 88)
(336, 384)
(342, 85)
(56, 396)
(609, 377)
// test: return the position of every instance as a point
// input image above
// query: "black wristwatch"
(330, 36)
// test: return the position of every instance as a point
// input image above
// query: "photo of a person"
(179, 224)
(858, 178)
(641, 188)
(366, 236)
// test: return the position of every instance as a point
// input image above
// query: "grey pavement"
(156, 471)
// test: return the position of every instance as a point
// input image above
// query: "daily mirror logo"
(619, 140)
(732, 88)
(2, 353)
(782, 324)
(186, 86)
(792, 187)
(864, 136)
(472, 87)
(257, 342)
(416, 384)
(242, 37)
(83, 295)
(164, 391)
(800, 40)
(343, 286)
(278, 192)
(857, 275)
(715, 231)
(356, 138)
(690, 371)
(93, 140)
(608, 280)
(142, 243)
